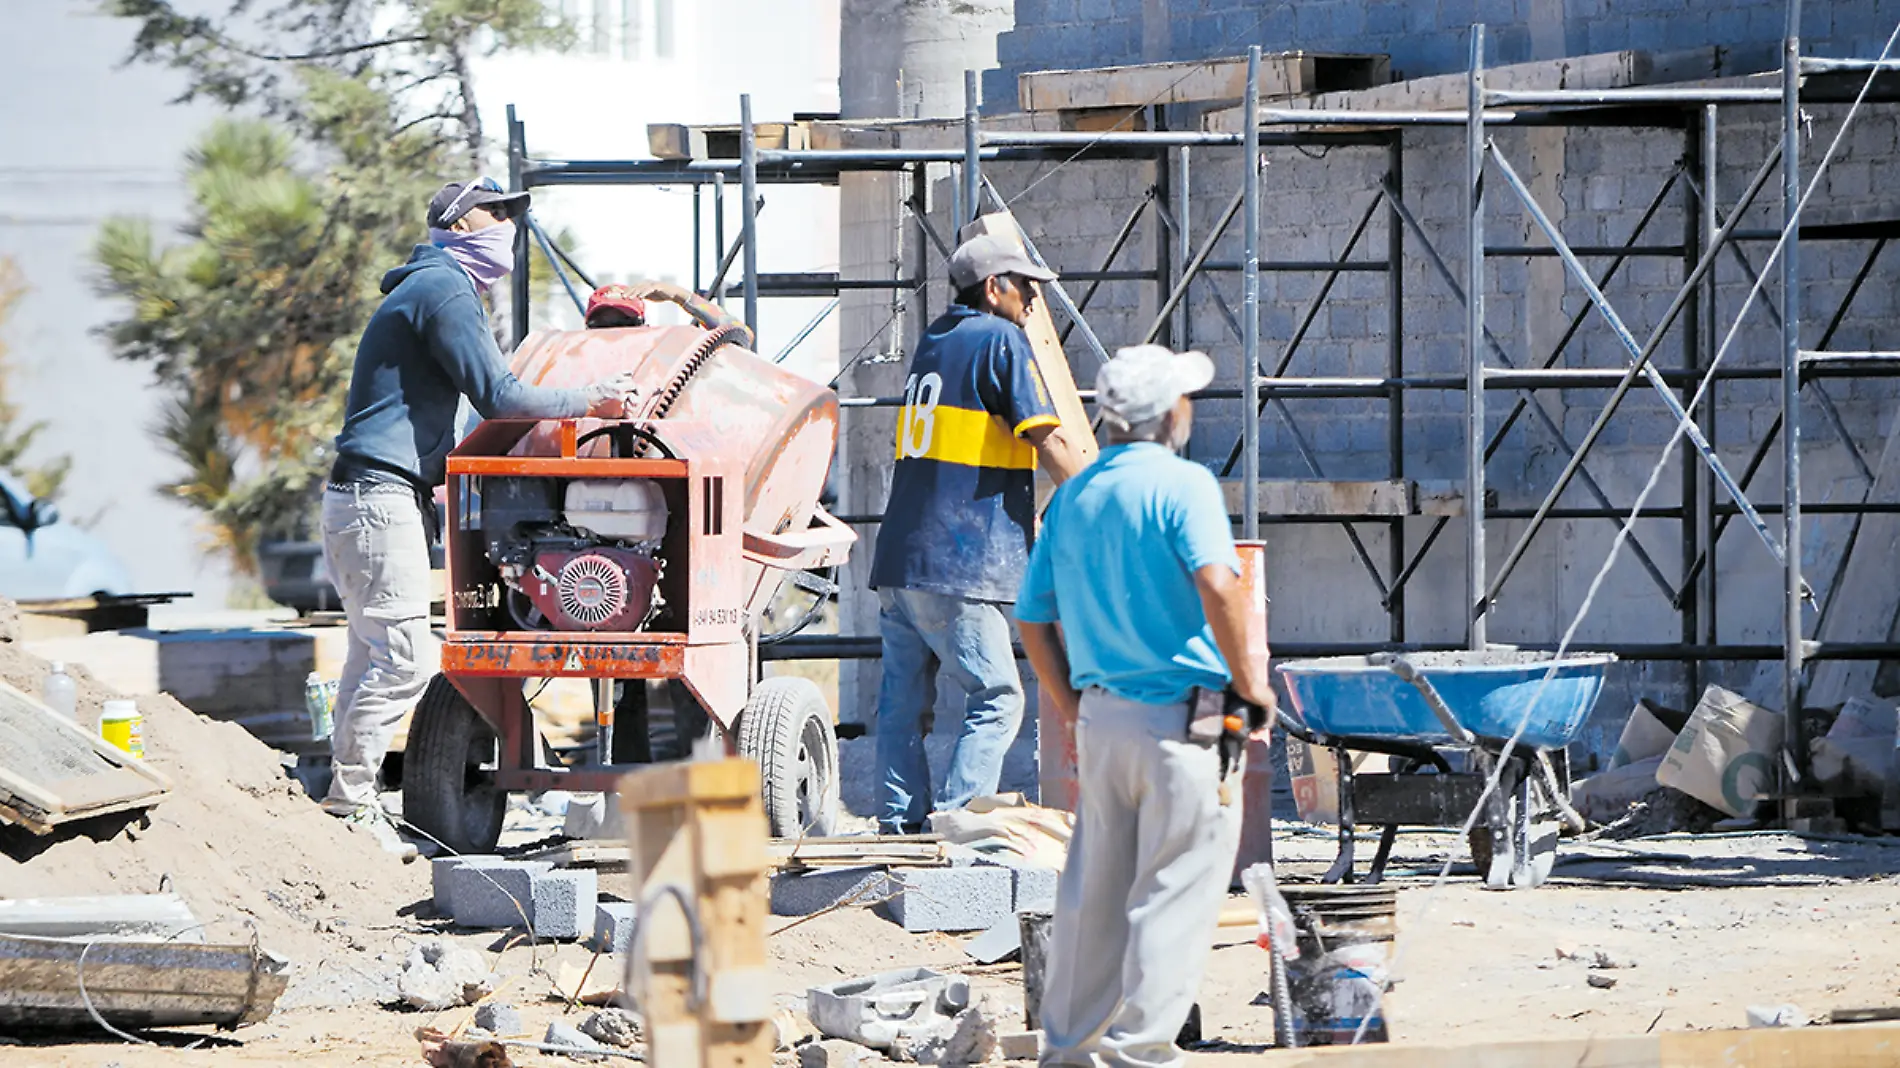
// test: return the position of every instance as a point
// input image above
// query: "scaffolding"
(1711, 495)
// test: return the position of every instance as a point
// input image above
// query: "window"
(622, 29)
(663, 29)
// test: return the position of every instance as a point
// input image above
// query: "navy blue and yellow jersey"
(963, 496)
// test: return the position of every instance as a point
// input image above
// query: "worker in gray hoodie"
(428, 345)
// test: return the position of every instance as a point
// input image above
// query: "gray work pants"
(376, 548)
(1141, 893)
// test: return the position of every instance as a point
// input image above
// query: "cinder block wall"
(1596, 183)
(1422, 36)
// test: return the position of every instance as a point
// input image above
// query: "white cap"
(1142, 382)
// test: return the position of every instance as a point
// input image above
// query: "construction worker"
(976, 421)
(1136, 563)
(427, 345)
(612, 306)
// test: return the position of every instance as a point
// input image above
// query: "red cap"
(618, 298)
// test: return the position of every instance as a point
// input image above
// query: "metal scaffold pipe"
(1474, 347)
(1250, 306)
(749, 209)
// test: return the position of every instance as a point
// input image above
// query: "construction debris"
(1726, 755)
(63, 983)
(439, 977)
(121, 918)
(613, 1027)
(564, 1036)
(52, 772)
(886, 1010)
(500, 1019)
(1776, 1016)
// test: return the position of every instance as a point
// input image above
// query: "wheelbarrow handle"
(1409, 672)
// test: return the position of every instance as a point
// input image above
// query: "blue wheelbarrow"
(1447, 720)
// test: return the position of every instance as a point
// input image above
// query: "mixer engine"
(576, 555)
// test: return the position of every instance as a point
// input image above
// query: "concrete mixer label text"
(716, 617)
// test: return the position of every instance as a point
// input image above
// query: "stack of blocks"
(974, 893)
(495, 892)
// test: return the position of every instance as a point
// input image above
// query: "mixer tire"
(786, 728)
(448, 787)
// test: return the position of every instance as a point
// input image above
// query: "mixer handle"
(704, 311)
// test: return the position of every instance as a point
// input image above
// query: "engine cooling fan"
(593, 589)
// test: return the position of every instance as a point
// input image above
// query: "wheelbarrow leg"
(1341, 871)
(1521, 827)
(1387, 836)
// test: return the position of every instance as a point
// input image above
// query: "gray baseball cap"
(988, 255)
(1142, 382)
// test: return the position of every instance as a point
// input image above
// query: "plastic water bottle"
(61, 693)
(317, 698)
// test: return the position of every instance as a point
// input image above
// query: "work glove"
(612, 398)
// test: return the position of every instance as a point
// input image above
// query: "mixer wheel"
(448, 782)
(787, 729)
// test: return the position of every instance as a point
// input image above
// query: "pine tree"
(300, 202)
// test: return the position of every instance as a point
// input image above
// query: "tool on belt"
(1223, 719)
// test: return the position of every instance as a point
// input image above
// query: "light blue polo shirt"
(1115, 565)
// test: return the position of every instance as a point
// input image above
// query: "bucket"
(1338, 983)
(122, 725)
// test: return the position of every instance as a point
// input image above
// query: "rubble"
(567, 1037)
(438, 977)
(613, 1027)
(500, 1019)
(835, 1053)
(1776, 1016)
(884, 1011)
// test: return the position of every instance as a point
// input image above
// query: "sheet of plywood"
(51, 771)
(1282, 74)
(671, 140)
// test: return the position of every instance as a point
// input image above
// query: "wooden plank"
(670, 140)
(1446, 92)
(1282, 74)
(1302, 497)
(1047, 343)
(1848, 1046)
(1104, 120)
(52, 772)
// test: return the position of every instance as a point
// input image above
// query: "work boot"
(373, 821)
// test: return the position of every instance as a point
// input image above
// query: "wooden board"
(1855, 1046)
(53, 772)
(863, 851)
(671, 140)
(1446, 92)
(1047, 342)
(1282, 74)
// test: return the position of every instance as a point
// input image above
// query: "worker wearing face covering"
(428, 345)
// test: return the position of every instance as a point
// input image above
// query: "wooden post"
(1256, 790)
(697, 832)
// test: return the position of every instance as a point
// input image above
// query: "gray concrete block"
(950, 899)
(801, 894)
(440, 883)
(1032, 886)
(613, 926)
(494, 895)
(563, 903)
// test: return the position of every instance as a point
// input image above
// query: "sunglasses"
(500, 211)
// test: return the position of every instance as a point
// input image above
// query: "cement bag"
(1726, 756)
(1006, 825)
(1856, 758)
(1650, 730)
(1608, 795)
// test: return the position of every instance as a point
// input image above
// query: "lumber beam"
(1283, 74)
(1447, 92)
(1854, 1046)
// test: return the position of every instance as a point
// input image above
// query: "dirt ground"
(1703, 927)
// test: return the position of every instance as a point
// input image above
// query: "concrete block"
(494, 895)
(562, 905)
(613, 926)
(803, 893)
(1021, 1046)
(440, 882)
(950, 899)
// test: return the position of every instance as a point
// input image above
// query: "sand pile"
(237, 838)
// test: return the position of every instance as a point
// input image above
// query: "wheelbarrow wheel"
(448, 783)
(786, 728)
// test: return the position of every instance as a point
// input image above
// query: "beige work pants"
(1140, 896)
